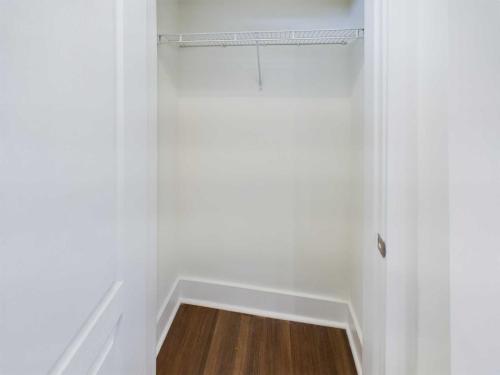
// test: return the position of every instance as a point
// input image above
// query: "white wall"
(474, 182)
(459, 180)
(227, 15)
(265, 177)
(433, 208)
(264, 196)
(402, 189)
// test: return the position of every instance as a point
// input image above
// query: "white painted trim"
(355, 322)
(355, 337)
(166, 315)
(107, 313)
(105, 351)
(262, 289)
(165, 303)
(152, 164)
(263, 313)
(266, 302)
(167, 326)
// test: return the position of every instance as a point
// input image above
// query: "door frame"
(152, 259)
(374, 266)
(392, 110)
(150, 273)
(137, 185)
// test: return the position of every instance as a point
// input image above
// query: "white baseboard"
(297, 307)
(355, 338)
(166, 315)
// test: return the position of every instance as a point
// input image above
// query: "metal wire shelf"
(263, 38)
(259, 39)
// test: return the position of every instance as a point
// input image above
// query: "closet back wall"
(263, 177)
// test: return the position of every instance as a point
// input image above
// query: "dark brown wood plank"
(305, 350)
(320, 350)
(242, 349)
(253, 342)
(188, 342)
(267, 343)
(206, 341)
(339, 346)
(224, 349)
(278, 353)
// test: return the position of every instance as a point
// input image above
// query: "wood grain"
(204, 341)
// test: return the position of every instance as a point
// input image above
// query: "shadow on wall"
(205, 15)
(287, 71)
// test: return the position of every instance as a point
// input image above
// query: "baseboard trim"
(166, 315)
(263, 313)
(355, 337)
(285, 305)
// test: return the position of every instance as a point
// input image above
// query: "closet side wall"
(360, 192)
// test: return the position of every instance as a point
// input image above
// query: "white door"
(76, 217)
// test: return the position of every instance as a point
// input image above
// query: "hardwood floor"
(205, 341)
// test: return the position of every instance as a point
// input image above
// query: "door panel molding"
(82, 351)
(104, 357)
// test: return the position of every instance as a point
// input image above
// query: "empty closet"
(261, 153)
(324, 196)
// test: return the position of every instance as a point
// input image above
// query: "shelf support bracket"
(258, 65)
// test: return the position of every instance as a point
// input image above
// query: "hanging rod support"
(258, 65)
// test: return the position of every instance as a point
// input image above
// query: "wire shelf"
(263, 38)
